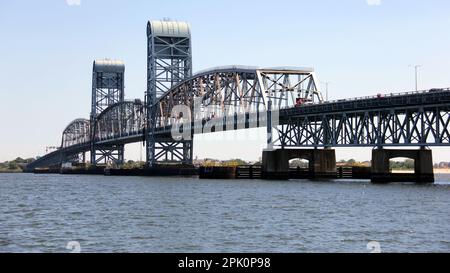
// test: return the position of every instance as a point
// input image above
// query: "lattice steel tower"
(169, 61)
(107, 89)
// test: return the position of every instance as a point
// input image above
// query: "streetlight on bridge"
(416, 70)
(326, 89)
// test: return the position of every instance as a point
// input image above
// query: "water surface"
(42, 213)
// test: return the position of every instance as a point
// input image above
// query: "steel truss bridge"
(285, 100)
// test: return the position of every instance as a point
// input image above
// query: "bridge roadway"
(404, 119)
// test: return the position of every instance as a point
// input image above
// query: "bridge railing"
(386, 95)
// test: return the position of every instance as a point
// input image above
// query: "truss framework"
(169, 62)
(120, 120)
(107, 89)
(407, 126)
(225, 92)
(405, 119)
(76, 133)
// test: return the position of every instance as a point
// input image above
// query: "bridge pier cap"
(168, 28)
(107, 65)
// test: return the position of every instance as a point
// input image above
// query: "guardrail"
(389, 95)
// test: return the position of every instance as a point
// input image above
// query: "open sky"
(363, 47)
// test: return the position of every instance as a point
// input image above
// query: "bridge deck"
(398, 103)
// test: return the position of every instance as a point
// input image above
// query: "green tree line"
(16, 165)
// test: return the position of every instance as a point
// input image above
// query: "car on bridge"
(302, 101)
(435, 90)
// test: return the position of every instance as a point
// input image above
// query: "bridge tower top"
(107, 85)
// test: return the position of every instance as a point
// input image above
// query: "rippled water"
(42, 213)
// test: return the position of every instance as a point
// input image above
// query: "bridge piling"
(322, 163)
(423, 166)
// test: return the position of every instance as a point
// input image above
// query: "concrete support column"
(380, 163)
(423, 166)
(275, 165)
(322, 163)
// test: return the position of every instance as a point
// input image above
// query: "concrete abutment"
(423, 166)
(322, 163)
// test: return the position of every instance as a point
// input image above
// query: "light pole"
(416, 70)
(326, 89)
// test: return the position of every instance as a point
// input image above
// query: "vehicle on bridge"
(302, 101)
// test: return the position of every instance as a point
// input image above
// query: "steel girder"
(169, 62)
(107, 89)
(416, 123)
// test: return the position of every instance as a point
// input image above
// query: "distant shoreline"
(442, 171)
(6, 171)
(436, 171)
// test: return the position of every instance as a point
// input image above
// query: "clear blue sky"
(362, 47)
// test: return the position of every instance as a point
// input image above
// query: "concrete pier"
(322, 163)
(423, 166)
